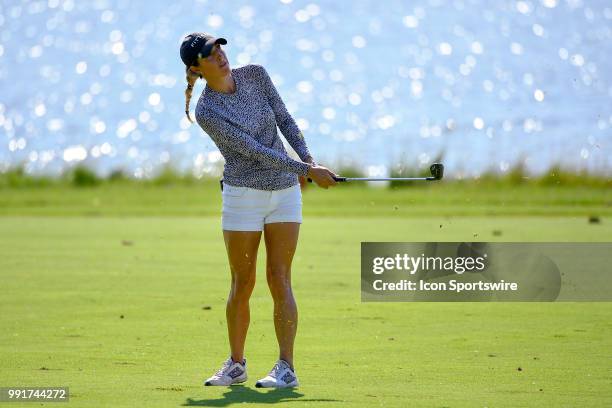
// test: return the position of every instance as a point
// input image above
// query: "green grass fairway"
(448, 199)
(128, 311)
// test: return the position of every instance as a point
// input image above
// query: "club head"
(437, 171)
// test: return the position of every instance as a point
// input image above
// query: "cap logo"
(193, 44)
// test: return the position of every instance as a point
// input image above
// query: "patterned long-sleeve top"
(243, 126)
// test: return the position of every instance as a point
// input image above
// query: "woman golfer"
(240, 110)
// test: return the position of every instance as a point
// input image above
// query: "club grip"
(335, 178)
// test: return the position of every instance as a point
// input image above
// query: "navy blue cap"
(198, 45)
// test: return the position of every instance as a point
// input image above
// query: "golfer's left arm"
(284, 120)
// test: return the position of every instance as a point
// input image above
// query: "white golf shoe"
(231, 373)
(281, 376)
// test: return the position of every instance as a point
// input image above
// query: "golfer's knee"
(242, 287)
(278, 281)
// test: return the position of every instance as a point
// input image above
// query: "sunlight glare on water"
(485, 83)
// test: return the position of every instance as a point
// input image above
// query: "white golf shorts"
(248, 209)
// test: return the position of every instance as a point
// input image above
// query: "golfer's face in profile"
(216, 63)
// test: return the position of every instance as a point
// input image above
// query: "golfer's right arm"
(225, 134)
(237, 140)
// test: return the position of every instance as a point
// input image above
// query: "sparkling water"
(484, 84)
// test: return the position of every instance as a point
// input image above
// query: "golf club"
(436, 169)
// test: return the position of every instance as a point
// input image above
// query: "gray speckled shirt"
(243, 126)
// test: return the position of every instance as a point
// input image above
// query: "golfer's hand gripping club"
(322, 176)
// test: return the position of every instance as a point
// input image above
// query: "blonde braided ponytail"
(191, 77)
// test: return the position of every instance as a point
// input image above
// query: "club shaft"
(437, 172)
(387, 178)
(382, 179)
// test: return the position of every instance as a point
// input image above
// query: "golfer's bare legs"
(242, 254)
(281, 240)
